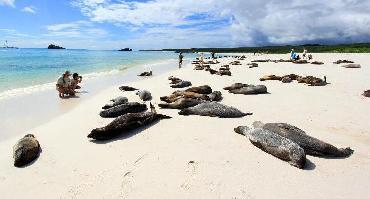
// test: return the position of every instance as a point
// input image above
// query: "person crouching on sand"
(64, 85)
(76, 79)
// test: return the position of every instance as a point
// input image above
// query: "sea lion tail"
(164, 116)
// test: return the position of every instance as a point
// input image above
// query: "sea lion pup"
(213, 109)
(317, 63)
(200, 89)
(275, 145)
(311, 145)
(343, 62)
(250, 90)
(270, 77)
(181, 84)
(127, 88)
(235, 86)
(366, 93)
(125, 123)
(115, 102)
(352, 66)
(26, 150)
(181, 103)
(252, 65)
(150, 73)
(144, 95)
(129, 107)
(174, 80)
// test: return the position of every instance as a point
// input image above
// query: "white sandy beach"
(155, 162)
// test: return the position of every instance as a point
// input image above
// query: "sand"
(201, 157)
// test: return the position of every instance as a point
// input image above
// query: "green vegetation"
(312, 48)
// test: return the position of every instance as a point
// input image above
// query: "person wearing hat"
(76, 79)
(64, 85)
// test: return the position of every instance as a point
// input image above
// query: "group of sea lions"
(289, 143)
(178, 83)
(246, 89)
(309, 80)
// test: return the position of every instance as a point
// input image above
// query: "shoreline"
(192, 156)
(52, 106)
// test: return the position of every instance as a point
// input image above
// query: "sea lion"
(366, 93)
(150, 73)
(200, 89)
(275, 145)
(125, 123)
(174, 80)
(26, 150)
(181, 103)
(352, 66)
(115, 102)
(129, 107)
(270, 77)
(127, 88)
(250, 90)
(311, 145)
(214, 109)
(286, 79)
(312, 81)
(261, 60)
(301, 61)
(215, 96)
(235, 86)
(252, 65)
(182, 94)
(317, 63)
(343, 62)
(144, 95)
(224, 72)
(181, 84)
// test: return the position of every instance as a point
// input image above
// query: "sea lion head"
(29, 135)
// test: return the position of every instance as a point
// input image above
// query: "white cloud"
(29, 9)
(77, 29)
(7, 3)
(253, 22)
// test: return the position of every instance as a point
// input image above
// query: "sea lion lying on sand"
(317, 63)
(182, 94)
(127, 88)
(343, 62)
(352, 66)
(181, 103)
(144, 95)
(174, 80)
(311, 145)
(235, 86)
(275, 145)
(26, 150)
(124, 124)
(366, 93)
(181, 84)
(213, 109)
(252, 65)
(301, 61)
(200, 89)
(261, 60)
(150, 73)
(115, 102)
(312, 81)
(270, 77)
(129, 107)
(250, 90)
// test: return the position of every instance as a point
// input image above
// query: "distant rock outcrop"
(125, 49)
(52, 46)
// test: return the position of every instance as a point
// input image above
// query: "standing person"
(304, 53)
(181, 57)
(213, 54)
(201, 59)
(64, 85)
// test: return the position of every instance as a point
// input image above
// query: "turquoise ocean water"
(25, 70)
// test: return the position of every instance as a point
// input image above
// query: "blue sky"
(113, 24)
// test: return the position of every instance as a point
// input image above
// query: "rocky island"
(52, 46)
(125, 49)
